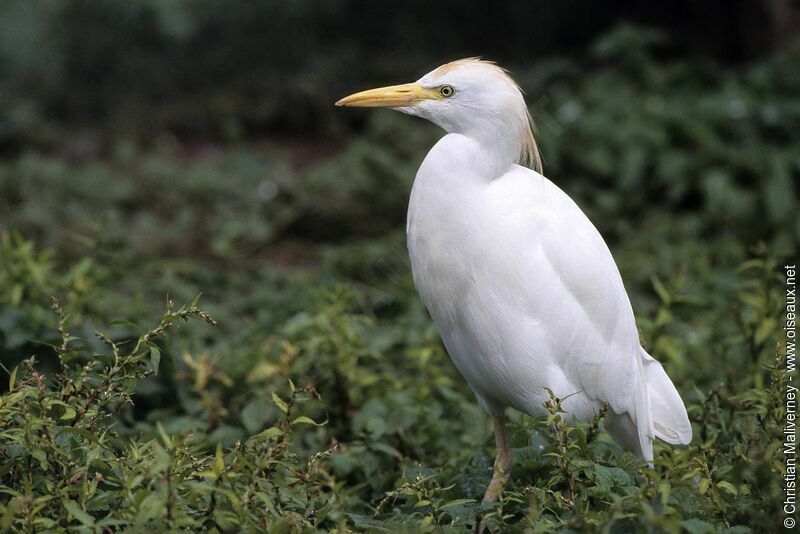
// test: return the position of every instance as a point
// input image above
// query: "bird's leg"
(502, 462)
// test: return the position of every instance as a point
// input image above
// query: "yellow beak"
(395, 96)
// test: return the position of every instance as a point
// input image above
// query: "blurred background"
(180, 147)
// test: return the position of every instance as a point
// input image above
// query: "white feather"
(520, 284)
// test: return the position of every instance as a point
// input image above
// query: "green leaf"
(609, 478)
(40, 455)
(194, 302)
(13, 379)
(164, 436)
(727, 487)
(305, 420)
(386, 449)
(280, 403)
(219, 461)
(69, 413)
(271, 432)
(661, 289)
(456, 502)
(764, 330)
(78, 513)
(7, 518)
(155, 357)
(698, 526)
(152, 506)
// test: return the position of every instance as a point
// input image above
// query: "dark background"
(233, 70)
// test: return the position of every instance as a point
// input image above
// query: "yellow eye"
(447, 91)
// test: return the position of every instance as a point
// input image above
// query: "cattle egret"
(521, 286)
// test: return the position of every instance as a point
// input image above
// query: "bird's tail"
(670, 421)
(658, 412)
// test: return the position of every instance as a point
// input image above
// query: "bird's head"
(469, 96)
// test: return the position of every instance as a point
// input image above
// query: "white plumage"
(521, 286)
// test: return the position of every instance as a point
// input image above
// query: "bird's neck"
(500, 141)
(459, 160)
(498, 152)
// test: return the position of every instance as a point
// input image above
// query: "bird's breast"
(454, 251)
(441, 251)
(462, 257)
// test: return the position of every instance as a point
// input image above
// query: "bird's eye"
(447, 91)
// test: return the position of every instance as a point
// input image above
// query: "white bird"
(520, 284)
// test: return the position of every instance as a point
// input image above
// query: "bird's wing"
(580, 294)
(596, 341)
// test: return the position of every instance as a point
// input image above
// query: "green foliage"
(73, 70)
(390, 444)
(322, 399)
(687, 137)
(64, 462)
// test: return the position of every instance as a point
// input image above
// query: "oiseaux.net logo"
(791, 394)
